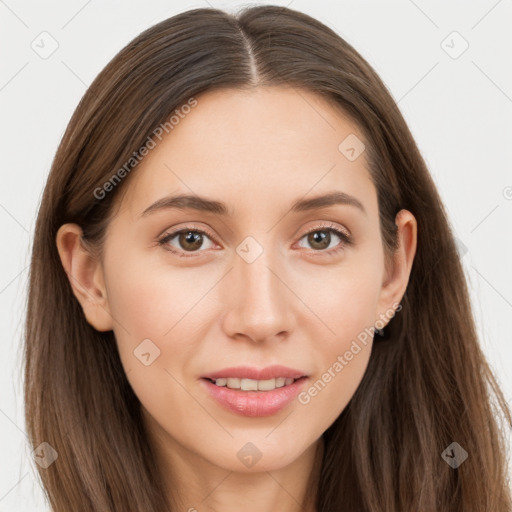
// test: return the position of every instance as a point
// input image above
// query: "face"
(194, 291)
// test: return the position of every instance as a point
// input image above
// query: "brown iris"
(190, 240)
(323, 238)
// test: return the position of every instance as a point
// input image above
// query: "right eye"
(190, 240)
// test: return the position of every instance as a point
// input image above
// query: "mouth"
(251, 391)
(254, 397)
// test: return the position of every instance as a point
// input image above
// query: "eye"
(320, 239)
(189, 240)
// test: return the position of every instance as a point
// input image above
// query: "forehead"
(252, 148)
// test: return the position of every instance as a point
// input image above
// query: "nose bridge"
(260, 309)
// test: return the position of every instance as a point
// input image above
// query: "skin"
(295, 304)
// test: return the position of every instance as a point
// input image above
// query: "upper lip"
(249, 372)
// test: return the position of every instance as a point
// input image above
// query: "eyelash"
(345, 240)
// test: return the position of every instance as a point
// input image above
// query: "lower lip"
(254, 403)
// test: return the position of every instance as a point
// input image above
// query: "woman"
(245, 290)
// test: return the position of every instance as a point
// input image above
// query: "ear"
(398, 269)
(85, 274)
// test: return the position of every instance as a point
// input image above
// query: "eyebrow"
(203, 204)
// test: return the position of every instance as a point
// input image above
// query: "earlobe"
(85, 274)
(397, 276)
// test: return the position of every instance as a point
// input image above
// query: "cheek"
(347, 308)
(343, 300)
(158, 315)
(150, 299)
(342, 365)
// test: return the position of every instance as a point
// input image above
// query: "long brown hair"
(427, 384)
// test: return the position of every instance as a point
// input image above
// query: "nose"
(259, 302)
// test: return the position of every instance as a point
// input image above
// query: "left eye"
(321, 238)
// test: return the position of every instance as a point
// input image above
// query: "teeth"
(280, 382)
(248, 385)
(233, 383)
(254, 385)
(266, 385)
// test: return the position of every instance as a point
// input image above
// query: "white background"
(459, 110)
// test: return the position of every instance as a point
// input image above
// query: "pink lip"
(254, 403)
(248, 372)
